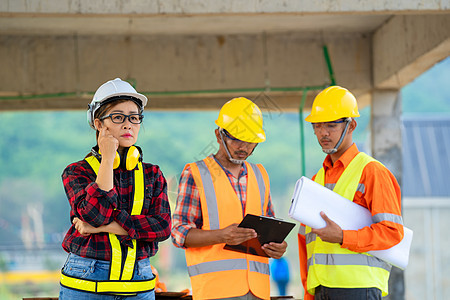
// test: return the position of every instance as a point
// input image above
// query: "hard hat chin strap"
(335, 149)
(230, 158)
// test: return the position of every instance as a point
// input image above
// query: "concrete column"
(387, 148)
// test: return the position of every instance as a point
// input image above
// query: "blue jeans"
(88, 268)
(325, 293)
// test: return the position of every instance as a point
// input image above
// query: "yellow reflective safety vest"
(335, 267)
(215, 272)
(122, 264)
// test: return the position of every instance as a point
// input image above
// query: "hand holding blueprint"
(310, 198)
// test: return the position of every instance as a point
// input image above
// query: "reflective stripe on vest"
(219, 273)
(124, 288)
(210, 194)
(333, 266)
(119, 282)
(228, 265)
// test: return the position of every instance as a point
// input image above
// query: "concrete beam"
(216, 7)
(272, 102)
(406, 46)
(173, 69)
(89, 24)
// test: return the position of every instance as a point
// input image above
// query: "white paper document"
(310, 198)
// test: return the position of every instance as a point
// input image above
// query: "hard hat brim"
(138, 96)
(322, 119)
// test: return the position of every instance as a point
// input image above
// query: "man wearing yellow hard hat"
(333, 262)
(214, 194)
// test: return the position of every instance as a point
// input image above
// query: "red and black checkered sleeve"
(154, 222)
(87, 201)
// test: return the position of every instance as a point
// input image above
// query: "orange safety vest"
(214, 272)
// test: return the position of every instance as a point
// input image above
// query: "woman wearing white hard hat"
(119, 205)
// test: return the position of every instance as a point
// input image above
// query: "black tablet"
(268, 230)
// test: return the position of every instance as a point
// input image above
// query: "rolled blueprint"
(310, 198)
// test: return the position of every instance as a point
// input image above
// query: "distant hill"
(430, 92)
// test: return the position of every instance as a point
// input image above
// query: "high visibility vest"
(120, 278)
(335, 267)
(215, 272)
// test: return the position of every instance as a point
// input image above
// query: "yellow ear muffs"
(131, 156)
(116, 162)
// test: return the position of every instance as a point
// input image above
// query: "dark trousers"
(325, 293)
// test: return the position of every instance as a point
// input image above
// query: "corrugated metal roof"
(426, 157)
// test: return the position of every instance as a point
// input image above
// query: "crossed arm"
(85, 229)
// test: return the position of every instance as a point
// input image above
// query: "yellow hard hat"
(331, 104)
(243, 120)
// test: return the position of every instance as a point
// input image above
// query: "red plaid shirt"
(97, 207)
(188, 212)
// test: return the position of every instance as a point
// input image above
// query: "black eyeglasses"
(329, 126)
(119, 118)
(228, 135)
(235, 140)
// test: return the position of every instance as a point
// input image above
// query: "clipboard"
(268, 230)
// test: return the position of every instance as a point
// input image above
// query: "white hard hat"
(114, 90)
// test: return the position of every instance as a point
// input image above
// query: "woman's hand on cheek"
(107, 143)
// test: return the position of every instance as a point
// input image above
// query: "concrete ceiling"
(197, 54)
